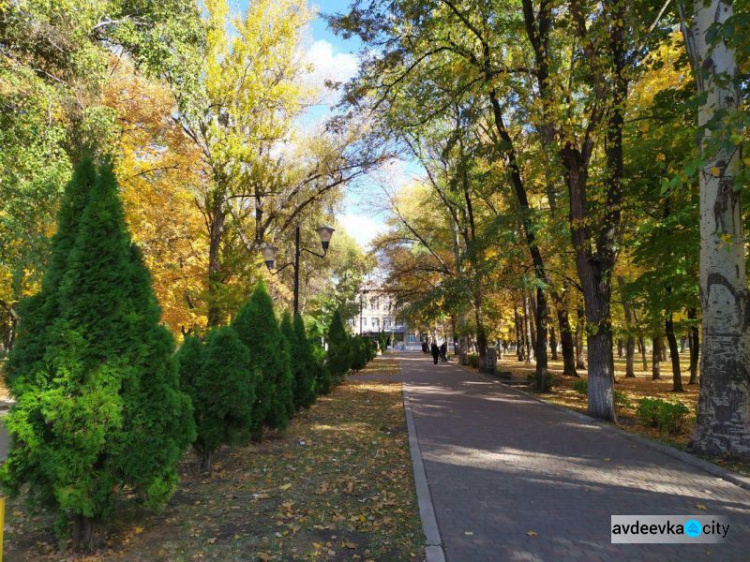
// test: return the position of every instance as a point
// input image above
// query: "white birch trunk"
(723, 425)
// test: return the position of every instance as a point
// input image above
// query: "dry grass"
(336, 486)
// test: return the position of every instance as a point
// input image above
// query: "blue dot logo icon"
(693, 528)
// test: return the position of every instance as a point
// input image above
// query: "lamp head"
(269, 256)
(325, 233)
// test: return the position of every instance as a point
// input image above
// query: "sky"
(336, 59)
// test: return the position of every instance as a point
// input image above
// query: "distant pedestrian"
(444, 352)
(435, 352)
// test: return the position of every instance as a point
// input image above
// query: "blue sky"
(336, 58)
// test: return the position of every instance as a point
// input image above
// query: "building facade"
(378, 313)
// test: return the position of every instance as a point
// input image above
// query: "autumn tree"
(723, 424)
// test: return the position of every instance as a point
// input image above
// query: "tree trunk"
(532, 322)
(620, 348)
(566, 341)
(215, 235)
(553, 342)
(528, 345)
(644, 358)
(674, 353)
(630, 340)
(662, 350)
(723, 423)
(694, 341)
(580, 328)
(542, 313)
(655, 359)
(630, 358)
(519, 335)
(83, 533)
(205, 457)
(481, 340)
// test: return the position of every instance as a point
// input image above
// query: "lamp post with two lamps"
(269, 256)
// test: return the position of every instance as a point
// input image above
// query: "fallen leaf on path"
(532, 533)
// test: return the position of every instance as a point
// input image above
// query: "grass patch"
(336, 486)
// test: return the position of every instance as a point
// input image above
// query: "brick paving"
(500, 464)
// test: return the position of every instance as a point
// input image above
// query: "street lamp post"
(269, 256)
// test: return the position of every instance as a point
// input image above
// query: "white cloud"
(329, 66)
(360, 227)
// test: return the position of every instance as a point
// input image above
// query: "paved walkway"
(500, 466)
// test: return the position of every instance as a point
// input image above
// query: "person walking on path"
(435, 352)
(444, 352)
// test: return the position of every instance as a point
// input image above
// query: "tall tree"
(723, 424)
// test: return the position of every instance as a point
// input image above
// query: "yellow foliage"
(160, 174)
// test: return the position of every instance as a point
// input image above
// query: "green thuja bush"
(100, 409)
(382, 341)
(38, 312)
(303, 367)
(372, 350)
(359, 353)
(259, 330)
(322, 374)
(218, 377)
(339, 350)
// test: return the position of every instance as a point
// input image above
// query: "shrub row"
(252, 375)
(103, 402)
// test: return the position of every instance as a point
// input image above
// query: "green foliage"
(221, 384)
(360, 353)
(383, 341)
(101, 408)
(547, 383)
(372, 349)
(621, 399)
(339, 350)
(40, 311)
(473, 360)
(581, 386)
(259, 330)
(303, 364)
(667, 416)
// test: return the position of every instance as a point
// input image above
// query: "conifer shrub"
(219, 379)
(339, 350)
(98, 404)
(303, 368)
(258, 328)
(38, 312)
(322, 376)
(358, 359)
